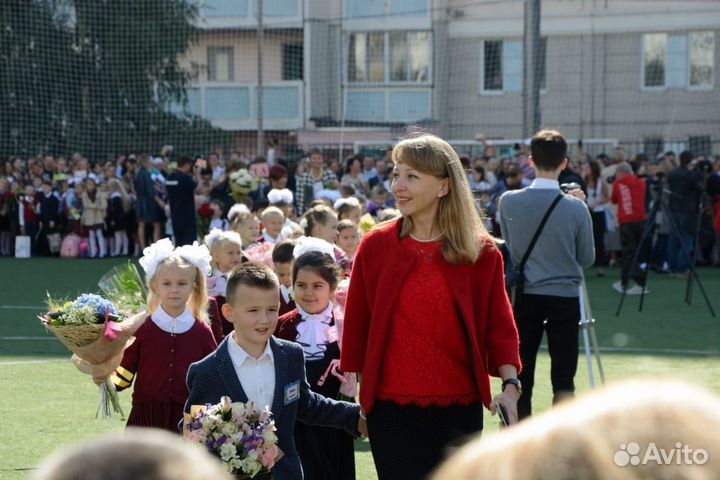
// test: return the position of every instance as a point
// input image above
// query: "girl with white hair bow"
(174, 335)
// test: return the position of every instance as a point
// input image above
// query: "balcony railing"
(388, 104)
(216, 14)
(233, 105)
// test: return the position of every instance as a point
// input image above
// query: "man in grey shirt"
(554, 270)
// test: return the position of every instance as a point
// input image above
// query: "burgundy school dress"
(158, 362)
(326, 453)
(216, 320)
(216, 289)
(287, 303)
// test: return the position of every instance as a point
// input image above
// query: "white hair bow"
(155, 254)
(276, 196)
(352, 201)
(237, 209)
(198, 255)
(312, 244)
(211, 237)
(158, 252)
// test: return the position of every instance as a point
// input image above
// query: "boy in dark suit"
(251, 364)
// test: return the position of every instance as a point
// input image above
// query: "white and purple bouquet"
(241, 436)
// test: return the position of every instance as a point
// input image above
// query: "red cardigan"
(380, 267)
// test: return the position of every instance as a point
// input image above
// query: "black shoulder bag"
(515, 274)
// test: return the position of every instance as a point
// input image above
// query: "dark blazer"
(214, 376)
(181, 193)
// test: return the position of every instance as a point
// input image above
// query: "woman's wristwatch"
(512, 381)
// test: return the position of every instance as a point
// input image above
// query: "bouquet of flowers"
(243, 438)
(92, 329)
(241, 184)
(261, 253)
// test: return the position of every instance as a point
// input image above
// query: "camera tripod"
(703, 203)
(587, 325)
(647, 236)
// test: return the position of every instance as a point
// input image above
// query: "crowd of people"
(294, 315)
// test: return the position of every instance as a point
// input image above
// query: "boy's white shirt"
(256, 375)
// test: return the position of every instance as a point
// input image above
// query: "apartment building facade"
(637, 72)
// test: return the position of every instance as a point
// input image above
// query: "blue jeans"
(676, 256)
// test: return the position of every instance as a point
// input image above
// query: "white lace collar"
(177, 325)
(312, 332)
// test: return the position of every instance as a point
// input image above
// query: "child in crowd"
(245, 224)
(218, 216)
(226, 251)
(282, 257)
(72, 207)
(175, 334)
(321, 222)
(283, 199)
(7, 211)
(93, 217)
(348, 240)
(273, 220)
(118, 207)
(348, 208)
(378, 200)
(28, 215)
(252, 365)
(325, 453)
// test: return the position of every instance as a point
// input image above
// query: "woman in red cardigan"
(427, 318)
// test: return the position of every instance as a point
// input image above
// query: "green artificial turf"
(49, 404)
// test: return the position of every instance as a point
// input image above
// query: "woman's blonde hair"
(198, 301)
(216, 241)
(590, 438)
(457, 217)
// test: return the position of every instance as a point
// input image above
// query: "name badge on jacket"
(292, 392)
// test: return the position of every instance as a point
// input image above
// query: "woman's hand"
(507, 399)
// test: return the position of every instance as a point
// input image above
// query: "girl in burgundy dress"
(226, 251)
(175, 335)
(325, 453)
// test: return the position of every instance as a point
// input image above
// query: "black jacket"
(181, 193)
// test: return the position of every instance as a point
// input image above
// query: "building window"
(292, 68)
(396, 57)
(654, 59)
(220, 64)
(653, 146)
(492, 65)
(501, 65)
(700, 145)
(702, 53)
(409, 57)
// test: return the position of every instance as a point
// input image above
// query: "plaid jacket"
(214, 376)
(304, 193)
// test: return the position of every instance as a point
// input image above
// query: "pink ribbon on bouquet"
(111, 328)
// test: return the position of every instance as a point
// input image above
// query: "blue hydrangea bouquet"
(92, 329)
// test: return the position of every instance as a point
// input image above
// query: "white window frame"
(482, 90)
(642, 64)
(489, 93)
(386, 61)
(231, 64)
(700, 88)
